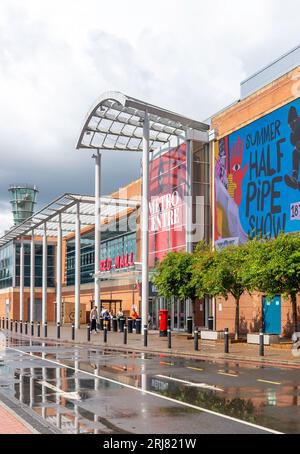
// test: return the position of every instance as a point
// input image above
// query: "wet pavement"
(79, 389)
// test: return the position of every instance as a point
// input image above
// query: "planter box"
(212, 335)
(269, 339)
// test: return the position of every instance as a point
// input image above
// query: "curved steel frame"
(121, 123)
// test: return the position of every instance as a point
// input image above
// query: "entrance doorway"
(113, 306)
(272, 315)
(178, 312)
(178, 315)
(37, 311)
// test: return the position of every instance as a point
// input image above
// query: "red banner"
(167, 208)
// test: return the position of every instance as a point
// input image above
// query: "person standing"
(106, 318)
(94, 319)
(134, 316)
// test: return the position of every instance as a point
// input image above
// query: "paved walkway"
(11, 424)
(182, 345)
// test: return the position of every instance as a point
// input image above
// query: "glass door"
(182, 315)
(178, 315)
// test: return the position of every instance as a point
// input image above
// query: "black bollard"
(145, 336)
(21, 327)
(125, 335)
(130, 325)
(261, 343)
(16, 326)
(88, 332)
(190, 325)
(45, 329)
(196, 340)
(6, 323)
(226, 341)
(26, 328)
(138, 326)
(11, 325)
(105, 335)
(115, 324)
(3, 322)
(38, 329)
(32, 328)
(58, 330)
(169, 338)
(101, 324)
(121, 324)
(73, 332)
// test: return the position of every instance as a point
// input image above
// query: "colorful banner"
(167, 208)
(257, 180)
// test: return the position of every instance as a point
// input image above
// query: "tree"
(274, 269)
(173, 276)
(220, 273)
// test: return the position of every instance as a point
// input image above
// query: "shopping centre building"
(226, 180)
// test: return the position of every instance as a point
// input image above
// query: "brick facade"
(271, 97)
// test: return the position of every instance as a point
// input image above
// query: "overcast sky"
(58, 56)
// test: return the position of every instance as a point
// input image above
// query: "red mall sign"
(121, 261)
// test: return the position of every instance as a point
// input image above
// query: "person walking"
(94, 319)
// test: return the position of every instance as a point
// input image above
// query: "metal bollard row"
(169, 338)
(145, 336)
(261, 343)
(196, 340)
(226, 341)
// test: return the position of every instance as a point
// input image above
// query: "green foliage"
(173, 276)
(271, 267)
(221, 272)
(274, 268)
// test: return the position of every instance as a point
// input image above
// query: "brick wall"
(264, 101)
(251, 314)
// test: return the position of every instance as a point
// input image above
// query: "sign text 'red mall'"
(121, 261)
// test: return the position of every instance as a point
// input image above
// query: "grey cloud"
(190, 60)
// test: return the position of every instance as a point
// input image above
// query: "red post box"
(163, 323)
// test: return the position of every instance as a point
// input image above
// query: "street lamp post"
(145, 224)
(97, 158)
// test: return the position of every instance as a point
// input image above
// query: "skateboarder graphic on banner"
(294, 122)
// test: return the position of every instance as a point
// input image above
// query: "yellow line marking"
(227, 374)
(195, 368)
(270, 382)
(167, 364)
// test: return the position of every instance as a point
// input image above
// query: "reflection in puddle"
(48, 390)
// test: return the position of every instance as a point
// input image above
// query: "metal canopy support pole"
(32, 276)
(59, 271)
(189, 211)
(77, 268)
(44, 276)
(189, 194)
(21, 281)
(212, 154)
(145, 224)
(97, 158)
